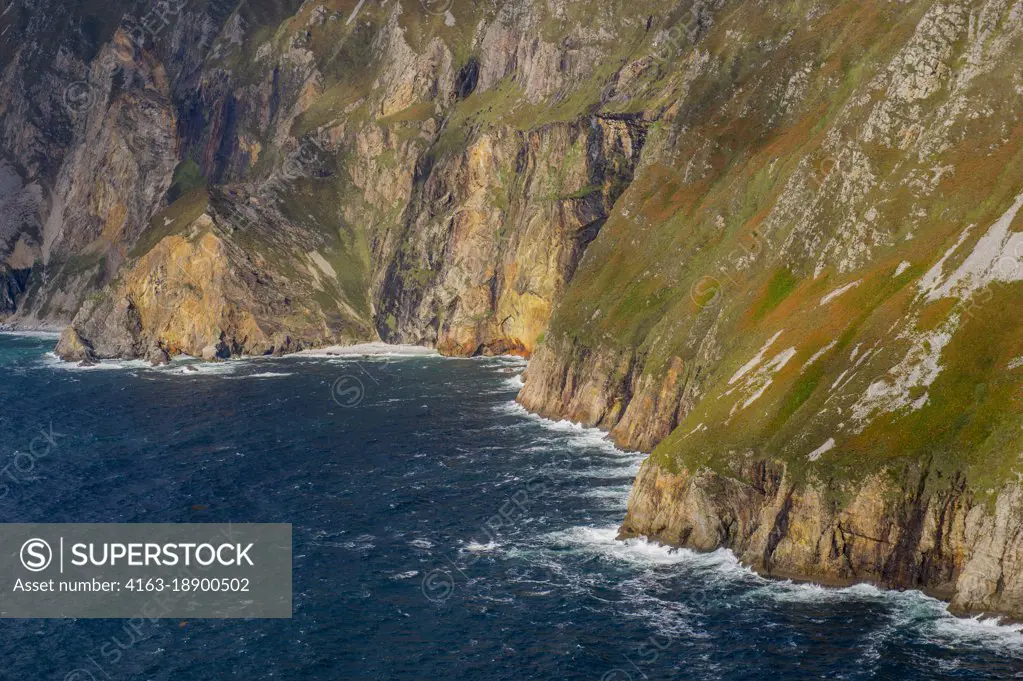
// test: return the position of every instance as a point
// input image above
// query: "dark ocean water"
(440, 532)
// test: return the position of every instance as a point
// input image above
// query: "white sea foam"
(785, 591)
(629, 470)
(721, 568)
(195, 368)
(910, 609)
(179, 366)
(987, 632)
(265, 374)
(513, 383)
(505, 361)
(44, 335)
(52, 361)
(548, 564)
(610, 504)
(613, 492)
(577, 435)
(368, 350)
(640, 551)
(476, 547)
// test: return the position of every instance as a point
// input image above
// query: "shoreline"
(17, 328)
(364, 349)
(381, 349)
(371, 349)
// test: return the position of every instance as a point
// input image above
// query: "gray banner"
(145, 570)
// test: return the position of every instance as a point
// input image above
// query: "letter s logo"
(36, 555)
(348, 391)
(79, 675)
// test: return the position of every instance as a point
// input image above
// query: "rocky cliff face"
(776, 244)
(494, 234)
(903, 531)
(461, 190)
(20, 234)
(222, 288)
(798, 305)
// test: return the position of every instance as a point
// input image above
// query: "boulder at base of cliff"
(157, 356)
(73, 348)
(211, 353)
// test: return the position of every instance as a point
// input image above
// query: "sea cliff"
(777, 245)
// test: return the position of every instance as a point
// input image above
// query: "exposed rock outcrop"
(772, 243)
(495, 233)
(203, 294)
(73, 348)
(810, 346)
(903, 531)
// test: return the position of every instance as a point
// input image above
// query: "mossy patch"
(187, 176)
(172, 220)
(782, 283)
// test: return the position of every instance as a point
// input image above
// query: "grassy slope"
(642, 285)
